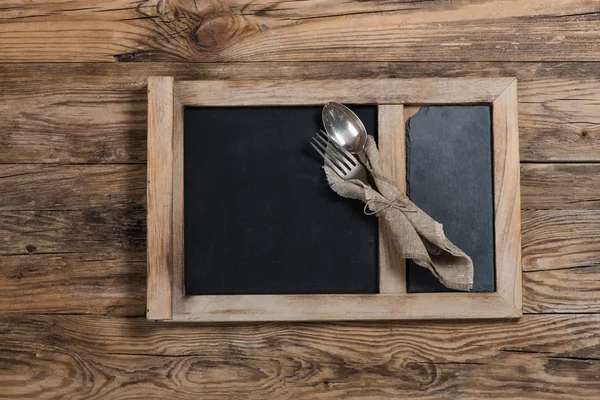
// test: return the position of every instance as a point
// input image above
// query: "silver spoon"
(343, 126)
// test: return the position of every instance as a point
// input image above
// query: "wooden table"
(73, 180)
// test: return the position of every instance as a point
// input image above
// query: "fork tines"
(339, 159)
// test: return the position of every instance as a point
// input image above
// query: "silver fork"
(340, 160)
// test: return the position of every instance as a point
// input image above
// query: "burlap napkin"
(414, 233)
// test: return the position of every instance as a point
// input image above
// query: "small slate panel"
(259, 215)
(449, 175)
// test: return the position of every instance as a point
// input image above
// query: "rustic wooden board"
(505, 302)
(391, 134)
(110, 200)
(86, 246)
(91, 261)
(91, 113)
(79, 187)
(565, 290)
(73, 283)
(71, 187)
(539, 357)
(559, 239)
(81, 253)
(159, 197)
(560, 186)
(98, 257)
(187, 30)
(118, 233)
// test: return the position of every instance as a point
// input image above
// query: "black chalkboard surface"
(259, 216)
(449, 176)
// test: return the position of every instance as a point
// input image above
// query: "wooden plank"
(125, 30)
(539, 357)
(178, 205)
(110, 232)
(160, 197)
(562, 291)
(71, 187)
(311, 92)
(79, 282)
(409, 111)
(558, 239)
(560, 186)
(506, 302)
(90, 261)
(90, 113)
(391, 137)
(561, 260)
(507, 198)
(82, 187)
(418, 306)
(552, 238)
(92, 284)
(96, 259)
(444, 342)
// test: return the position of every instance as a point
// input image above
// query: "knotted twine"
(413, 233)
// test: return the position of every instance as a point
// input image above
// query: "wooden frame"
(165, 296)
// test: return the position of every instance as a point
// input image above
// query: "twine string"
(400, 203)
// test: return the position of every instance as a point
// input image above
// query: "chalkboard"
(260, 218)
(449, 176)
(243, 227)
(259, 215)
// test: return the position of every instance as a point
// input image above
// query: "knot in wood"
(419, 373)
(216, 31)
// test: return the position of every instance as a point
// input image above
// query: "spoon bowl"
(343, 126)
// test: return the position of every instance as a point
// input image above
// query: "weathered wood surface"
(264, 30)
(159, 198)
(567, 290)
(560, 186)
(93, 244)
(507, 197)
(81, 187)
(71, 187)
(90, 113)
(391, 139)
(539, 357)
(72, 237)
(73, 284)
(559, 239)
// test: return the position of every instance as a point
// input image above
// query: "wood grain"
(347, 307)
(560, 186)
(389, 94)
(74, 112)
(178, 204)
(364, 91)
(98, 257)
(562, 291)
(161, 123)
(507, 197)
(540, 357)
(560, 237)
(78, 283)
(111, 233)
(96, 113)
(209, 31)
(391, 138)
(561, 259)
(91, 261)
(555, 239)
(71, 187)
